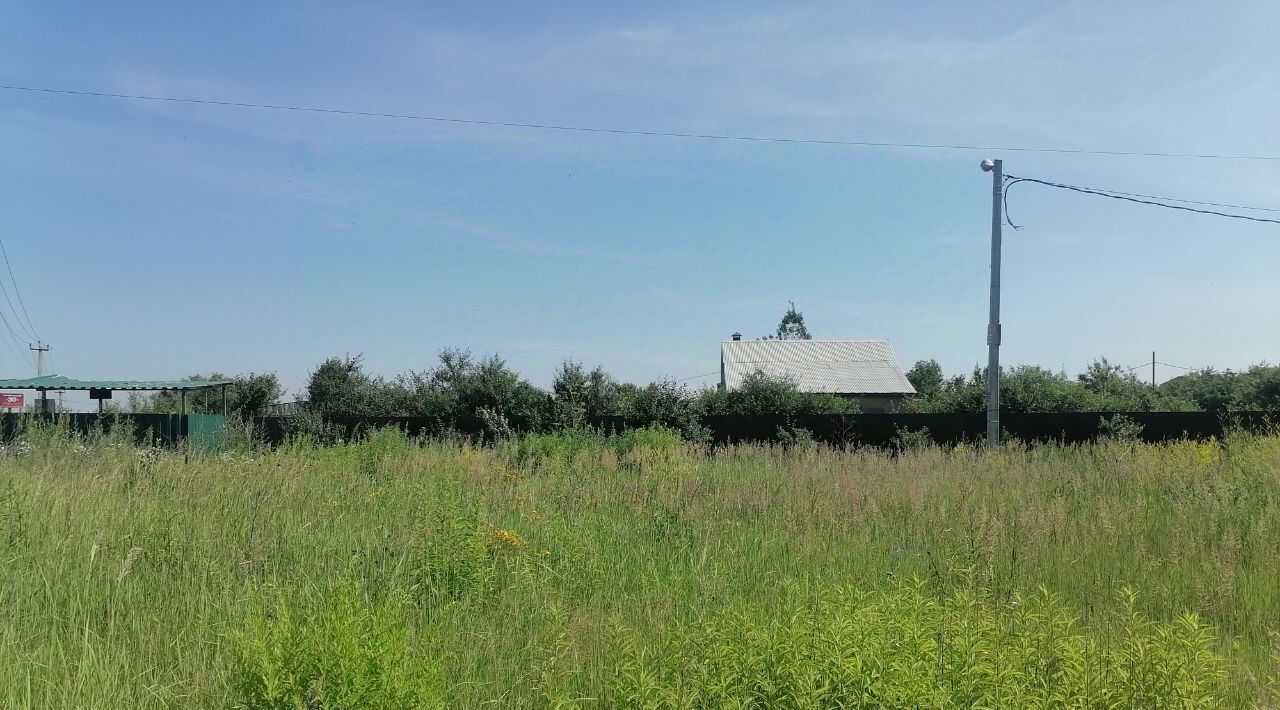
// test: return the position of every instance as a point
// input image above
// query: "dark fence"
(161, 429)
(275, 429)
(953, 428)
(860, 429)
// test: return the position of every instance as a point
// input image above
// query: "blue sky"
(156, 240)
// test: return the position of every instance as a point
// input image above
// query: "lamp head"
(987, 166)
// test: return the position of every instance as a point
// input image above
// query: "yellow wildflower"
(508, 538)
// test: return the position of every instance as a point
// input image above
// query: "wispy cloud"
(498, 239)
(1062, 78)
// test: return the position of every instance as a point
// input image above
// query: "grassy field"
(578, 572)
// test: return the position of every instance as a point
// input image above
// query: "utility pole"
(1153, 368)
(40, 349)
(996, 168)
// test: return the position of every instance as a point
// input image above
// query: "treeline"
(1102, 387)
(468, 393)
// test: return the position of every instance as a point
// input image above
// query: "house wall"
(877, 403)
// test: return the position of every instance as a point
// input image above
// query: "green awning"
(58, 382)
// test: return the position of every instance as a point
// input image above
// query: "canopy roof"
(58, 382)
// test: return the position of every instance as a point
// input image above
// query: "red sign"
(11, 400)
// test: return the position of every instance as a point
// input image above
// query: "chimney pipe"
(737, 336)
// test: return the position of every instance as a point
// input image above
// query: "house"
(864, 370)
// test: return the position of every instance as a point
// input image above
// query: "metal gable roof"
(58, 382)
(832, 366)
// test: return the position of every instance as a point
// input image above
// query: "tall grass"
(581, 572)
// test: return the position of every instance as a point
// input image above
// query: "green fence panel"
(206, 431)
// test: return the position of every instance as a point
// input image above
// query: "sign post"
(12, 400)
(99, 394)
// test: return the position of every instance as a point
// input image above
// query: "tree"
(1260, 388)
(340, 386)
(247, 396)
(1102, 387)
(1031, 388)
(926, 377)
(792, 325)
(1256, 388)
(580, 395)
(1101, 376)
(489, 386)
(1112, 389)
(462, 393)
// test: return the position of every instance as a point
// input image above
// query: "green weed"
(905, 647)
(330, 649)
(637, 570)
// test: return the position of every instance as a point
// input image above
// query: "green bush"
(907, 439)
(665, 403)
(651, 438)
(1102, 387)
(367, 454)
(309, 427)
(760, 393)
(561, 446)
(792, 437)
(1120, 428)
(454, 393)
(331, 649)
(904, 647)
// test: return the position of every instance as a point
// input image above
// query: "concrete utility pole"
(1153, 368)
(996, 168)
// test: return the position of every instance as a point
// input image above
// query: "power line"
(708, 374)
(1012, 180)
(1148, 364)
(8, 327)
(649, 133)
(1192, 202)
(30, 335)
(1180, 367)
(14, 342)
(15, 347)
(18, 293)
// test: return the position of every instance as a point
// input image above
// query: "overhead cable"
(1011, 180)
(649, 133)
